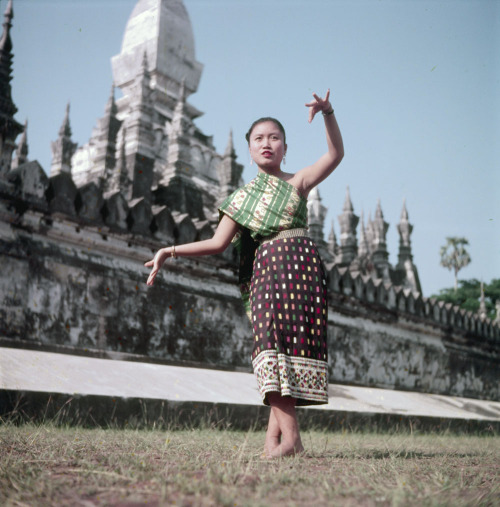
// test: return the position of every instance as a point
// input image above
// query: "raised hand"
(156, 263)
(319, 104)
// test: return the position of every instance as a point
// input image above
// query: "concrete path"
(28, 370)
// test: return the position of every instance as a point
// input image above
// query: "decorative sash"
(262, 207)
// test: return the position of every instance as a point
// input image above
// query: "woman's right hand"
(156, 263)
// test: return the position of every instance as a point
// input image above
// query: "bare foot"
(272, 442)
(286, 449)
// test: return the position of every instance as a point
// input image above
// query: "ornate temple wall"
(66, 282)
(374, 345)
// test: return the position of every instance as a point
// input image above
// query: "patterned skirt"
(289, 319)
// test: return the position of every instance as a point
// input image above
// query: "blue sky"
(414, 85)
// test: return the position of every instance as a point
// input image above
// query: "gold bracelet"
(173, 255)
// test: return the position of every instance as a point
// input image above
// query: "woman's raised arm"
(225, 232)
(314, 174)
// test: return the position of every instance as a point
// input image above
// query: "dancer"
(282, 278)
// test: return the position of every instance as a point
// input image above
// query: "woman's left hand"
(319, 104)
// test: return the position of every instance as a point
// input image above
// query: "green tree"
(468, 294)
(454, 256)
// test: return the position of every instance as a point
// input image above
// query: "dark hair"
(262, 120)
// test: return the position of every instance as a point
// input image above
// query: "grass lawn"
(49, 465)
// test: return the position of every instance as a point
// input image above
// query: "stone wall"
(67, 281)
(72, 274)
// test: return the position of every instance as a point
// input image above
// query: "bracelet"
(328, 113)
(173, 255)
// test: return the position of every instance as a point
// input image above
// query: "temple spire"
(63, 148)
(316, 216)
(348, 223)
(140, 137)
(230, 146)
(179, 161)
(121, 178)
(22, 148)
(333, 247)
(104, 139)
(405, 229)
(483, 313)
(229, 171)
(380, 255)
(9, 127)
(363, 249)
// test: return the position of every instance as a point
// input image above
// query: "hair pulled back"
(263, 120)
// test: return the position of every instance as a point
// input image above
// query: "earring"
(251, 161)
(284, 159)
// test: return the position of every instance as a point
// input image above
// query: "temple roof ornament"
(316, 215)
(229, 152)
(378, 247)
(6, 57)
(333, 247)
(363, 249)
(483, 313)
(63, 148)
(404, 229)
(229, 171)
(21, 156)
(9, 127)
(408, 270)
(348, 223)
(119, 178)
(104, 139)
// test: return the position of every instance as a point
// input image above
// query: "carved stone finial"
(229, 171)
(63, 148)
(483, 313)
(5, 41)
(65, 129)
(348, 223)
(378, 247)
(22, 148)
(405, 265)
(10, 127)
(230, 146)
(123, 178)
(333, 247)
(316, 215)
(347, 201)
(405, 229)
(363, 249)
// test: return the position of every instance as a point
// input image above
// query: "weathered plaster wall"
(69, 286)
(373, 345)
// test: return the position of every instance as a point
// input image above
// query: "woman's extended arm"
(218, 243)
(314, 174)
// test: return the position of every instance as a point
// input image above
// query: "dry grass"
(49, 465)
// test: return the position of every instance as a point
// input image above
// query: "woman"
(281, 275)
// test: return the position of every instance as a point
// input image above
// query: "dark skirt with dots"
(289, 319)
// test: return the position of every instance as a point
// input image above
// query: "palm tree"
(455, 256)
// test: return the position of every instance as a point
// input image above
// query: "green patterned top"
(264, 206)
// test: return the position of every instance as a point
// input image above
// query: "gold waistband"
(288, 233)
